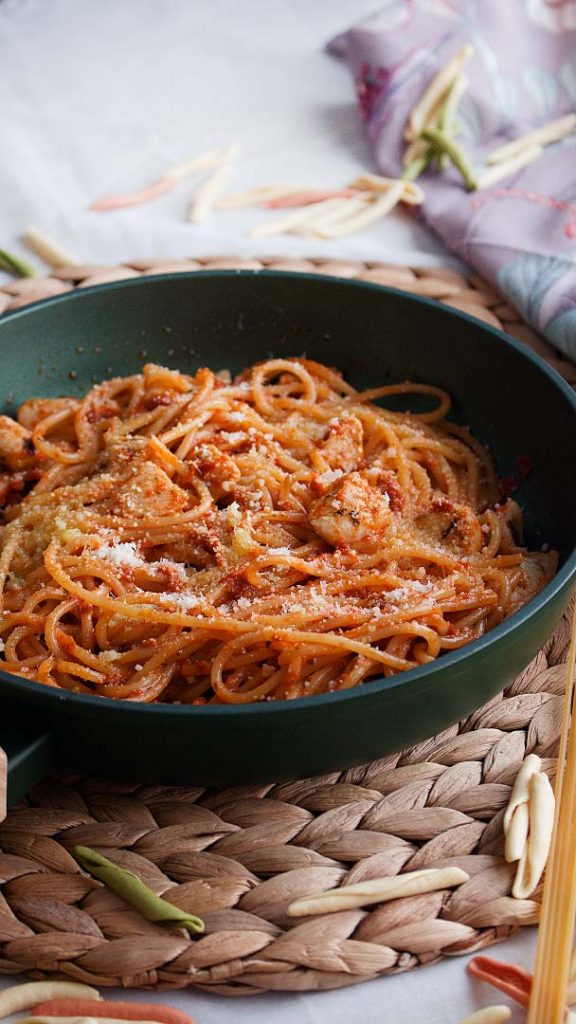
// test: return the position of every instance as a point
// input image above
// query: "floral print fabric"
(520, 234)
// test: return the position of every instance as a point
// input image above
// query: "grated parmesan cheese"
(242, 541)
(127, 555)
(106, 656)
(411, 587)
(420, 588)
(234, 437)
(120, 553)
(234, 514)
(184, 602)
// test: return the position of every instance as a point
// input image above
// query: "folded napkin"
(521, 233)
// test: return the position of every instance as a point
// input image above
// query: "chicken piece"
(150, 492)
(386, 480)
(17, 451)
(352, 514)
(537, 569)
(343, 444)
(34, 410)
(452, 525)
(11, 487)
(215, 468)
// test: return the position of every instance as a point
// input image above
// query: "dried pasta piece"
(503, 170)
(292, 221)
(543, 136)
(334, 211)
(489, 1015)
(520, 790)
(440, 116)
(541, 813)
(455, 94)
(14, 265)
(23, 997)
(513, 981)
(110, 1010)
(131, 888)
(517, 834)
(571, 991)
(516, 817)
(416, 149)
(257, 196)
(207, 194)
(412, 193)
(445, 148)
(448, 112)
(418, 153)
(163, 184)
(378, 890)
(92, 1019)
(365, 218)
(435, 92)
(280, 226)
(308, 197)
(53, 254)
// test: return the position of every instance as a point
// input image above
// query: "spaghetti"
(200, 539)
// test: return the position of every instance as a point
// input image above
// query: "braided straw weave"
(239, 856)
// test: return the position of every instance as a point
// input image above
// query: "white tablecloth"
(101, 97)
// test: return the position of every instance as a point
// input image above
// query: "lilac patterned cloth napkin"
(520, 234)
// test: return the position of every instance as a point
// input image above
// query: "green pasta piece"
(132, 889)
(416, 166)
(446, 118)
(447, 113)
(442, 144)
(15, 266)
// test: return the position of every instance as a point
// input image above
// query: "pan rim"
(565, 576)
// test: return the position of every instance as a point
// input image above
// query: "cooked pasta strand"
(201, 539)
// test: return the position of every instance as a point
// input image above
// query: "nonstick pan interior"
(510, 400)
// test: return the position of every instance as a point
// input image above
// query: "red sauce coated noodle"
(201, 539)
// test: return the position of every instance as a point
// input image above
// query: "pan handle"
(26, 756)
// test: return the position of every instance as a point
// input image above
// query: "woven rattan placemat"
(239, 856)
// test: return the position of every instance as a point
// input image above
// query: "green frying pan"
(509, 397)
